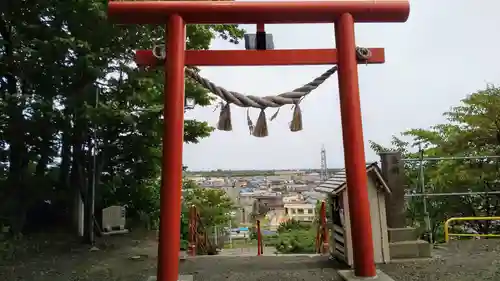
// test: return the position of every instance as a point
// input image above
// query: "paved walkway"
(252, 251)
(264, 268)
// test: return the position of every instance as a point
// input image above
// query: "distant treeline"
(248, 173)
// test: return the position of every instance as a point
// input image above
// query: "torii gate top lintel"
(221, 12)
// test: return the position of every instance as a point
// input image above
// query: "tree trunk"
(15, 136)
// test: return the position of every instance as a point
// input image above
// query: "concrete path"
(263, 268)
(246, 252)
(252, 252)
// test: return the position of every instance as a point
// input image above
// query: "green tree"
(472, 129)
(213, 205)
(214, 208)
(53, 57)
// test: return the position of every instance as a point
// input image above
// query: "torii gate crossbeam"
(176, 14)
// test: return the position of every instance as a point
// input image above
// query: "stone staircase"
(404, 244)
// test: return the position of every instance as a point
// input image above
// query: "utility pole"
(421, 180)
(90, 198)
(324, 168)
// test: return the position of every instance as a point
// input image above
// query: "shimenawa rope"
(293, 97)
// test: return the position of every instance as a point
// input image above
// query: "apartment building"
(300, 211)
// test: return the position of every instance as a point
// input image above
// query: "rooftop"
(337, 182)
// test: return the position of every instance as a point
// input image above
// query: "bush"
(270, 240)
(184, 245)
(253, 233)
(291, 225)
(296, 241)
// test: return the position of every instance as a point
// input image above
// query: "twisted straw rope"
(292, 97)
(261, 102)
(260, 128)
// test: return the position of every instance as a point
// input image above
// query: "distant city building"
(300, 211)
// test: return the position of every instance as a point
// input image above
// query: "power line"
(421, 179)
(452, 194)
(450, 158)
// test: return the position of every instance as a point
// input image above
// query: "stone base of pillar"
(181, 278)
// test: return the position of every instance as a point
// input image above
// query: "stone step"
(183, 277)
(402, 234)
(410, 249)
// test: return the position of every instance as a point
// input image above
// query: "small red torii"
(344, 14)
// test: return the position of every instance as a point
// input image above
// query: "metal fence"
(421, 183)
(218, 236)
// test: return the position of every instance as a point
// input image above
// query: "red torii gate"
(177, 14)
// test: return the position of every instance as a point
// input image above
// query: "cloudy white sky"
(446, 50)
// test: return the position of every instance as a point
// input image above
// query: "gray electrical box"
(251, 41)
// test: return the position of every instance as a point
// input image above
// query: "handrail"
(447, 234)
(198, 236)
(322, 246)
(260, 247)
(193, 231)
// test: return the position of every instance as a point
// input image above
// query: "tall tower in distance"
(324, 169)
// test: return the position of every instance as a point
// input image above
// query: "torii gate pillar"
(173, 140)
(343, 13)
(354, 152)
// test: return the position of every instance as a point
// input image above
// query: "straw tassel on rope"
(260, 129)
(275, 114)
(296, 124)
(225, 123)
(249, 122)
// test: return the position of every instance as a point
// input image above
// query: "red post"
(259, 239)
(193, 233)
(260, 27)
(354, 154)
(324, 229)
(173, 135)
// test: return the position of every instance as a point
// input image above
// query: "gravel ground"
(474, 260)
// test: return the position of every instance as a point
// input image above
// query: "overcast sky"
(446, 50)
